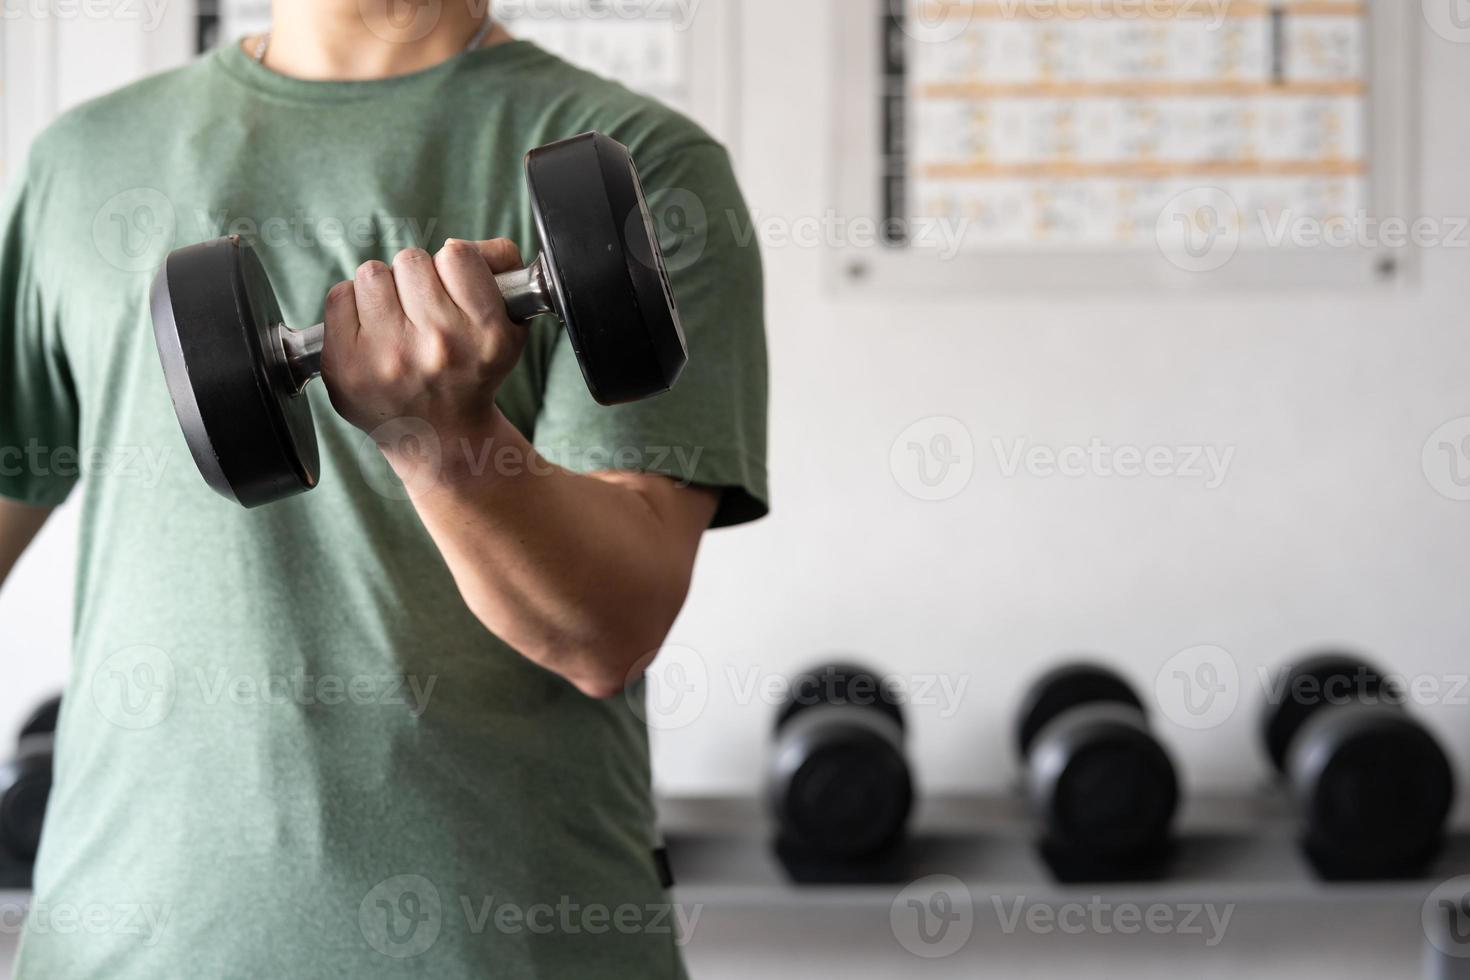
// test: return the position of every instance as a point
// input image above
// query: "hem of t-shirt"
(738, 506)
(740, 476)
(33, 494)
(232, 60)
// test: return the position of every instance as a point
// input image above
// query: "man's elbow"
(601, 688)
(606, 669)
(606, 650)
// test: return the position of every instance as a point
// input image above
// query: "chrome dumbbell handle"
(526, 291)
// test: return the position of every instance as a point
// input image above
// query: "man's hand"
(428, 340)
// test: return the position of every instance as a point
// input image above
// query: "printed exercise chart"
(1048, 126)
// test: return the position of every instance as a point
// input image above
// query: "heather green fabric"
(287, 748)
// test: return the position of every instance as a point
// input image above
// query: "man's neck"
(348, 41)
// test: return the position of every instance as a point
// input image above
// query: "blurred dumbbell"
(25, 786)
(1370, 785)
(839, 784)
(1102, 786)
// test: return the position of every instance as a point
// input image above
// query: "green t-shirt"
(287, 748)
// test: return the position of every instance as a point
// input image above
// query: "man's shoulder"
(113, 125)
(571, 99)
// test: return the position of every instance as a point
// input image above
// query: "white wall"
(1325, 530)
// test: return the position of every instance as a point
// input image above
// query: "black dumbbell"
(839, 784)
(236, 372)
(1371, 787)
(1103, 787)
(25, 787)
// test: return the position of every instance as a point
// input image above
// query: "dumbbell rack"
(1238, 850)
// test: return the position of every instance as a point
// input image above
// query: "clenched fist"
(428, 339)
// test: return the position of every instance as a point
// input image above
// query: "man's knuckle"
(388, 369)
(436, 352)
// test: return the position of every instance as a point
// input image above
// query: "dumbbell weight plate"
(42, 720)
(215, 318)
(840, 783)
(25, 783)
(609, 283)
(1064, 688)
(25, 788)
(1373, 786)
(839, 685)
(1330, 674)
(1106, 786)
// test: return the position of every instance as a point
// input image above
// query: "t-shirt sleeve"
(38, 404)
(710, 430)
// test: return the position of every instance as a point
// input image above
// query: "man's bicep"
(684, 511)
(710, 431)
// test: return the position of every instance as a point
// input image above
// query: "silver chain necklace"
(482, 32)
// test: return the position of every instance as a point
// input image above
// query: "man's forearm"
(583, 575)
(19, 525)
